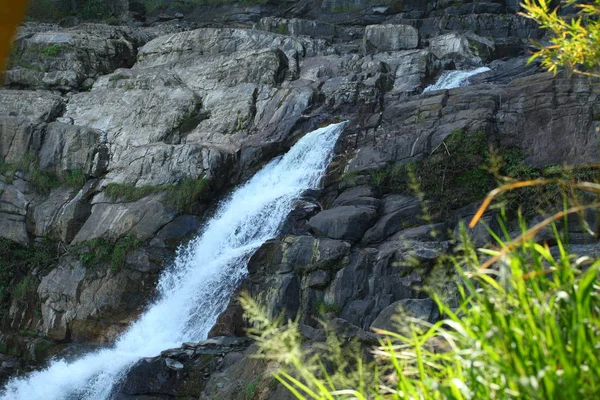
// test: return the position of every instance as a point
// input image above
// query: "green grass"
(528, 328)
(251, 389)
(51, 50)
(181, 196)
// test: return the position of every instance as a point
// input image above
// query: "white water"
(200, 284)
(454, 79)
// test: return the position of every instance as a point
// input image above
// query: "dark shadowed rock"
(345, 222)
(390, 318)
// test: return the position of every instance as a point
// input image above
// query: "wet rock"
(364, 196)
(181, 372)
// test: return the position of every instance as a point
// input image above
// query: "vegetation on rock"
(17, 261)
(181, 196)
(527, 328)
(43, 180)
(97, 251)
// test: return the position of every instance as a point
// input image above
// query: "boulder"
(142, 218)
(465, 50)
(398, 211)
(358, 196)
(344, 222)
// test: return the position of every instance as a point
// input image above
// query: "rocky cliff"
(116, 140)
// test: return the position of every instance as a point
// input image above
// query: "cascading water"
(200, 283)
(454, 79)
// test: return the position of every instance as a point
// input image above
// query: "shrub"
(44, 10)
(574, 42)
(16, 261)
(94, 10)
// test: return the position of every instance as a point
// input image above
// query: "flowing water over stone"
(197, 288)
(454, 79)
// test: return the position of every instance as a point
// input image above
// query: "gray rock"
(358, 196)
(297, 27)
(66, 59)
(345, 222)
(318, 279)
(12, 227)
(464, 49)
(70, 147)
(381, 38)
(46, 213)
(18, 137)
(142, 218)
(35, 106)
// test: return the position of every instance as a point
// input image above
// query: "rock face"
(104, 129)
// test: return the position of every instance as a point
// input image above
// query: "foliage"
(527, 328)
(454, 175)
(94, 10)
(181, 196)
(16, 261)
(575, 42)
(44, 10)
(100, 250)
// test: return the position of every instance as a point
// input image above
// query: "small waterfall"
(454, 79)
(198, 287)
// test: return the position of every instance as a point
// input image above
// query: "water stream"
(197, 288)
(454, 79)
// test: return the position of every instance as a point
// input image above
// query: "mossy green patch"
(181, 196)
(44, 180)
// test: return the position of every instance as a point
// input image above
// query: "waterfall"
(198, 286)
(453, 79)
